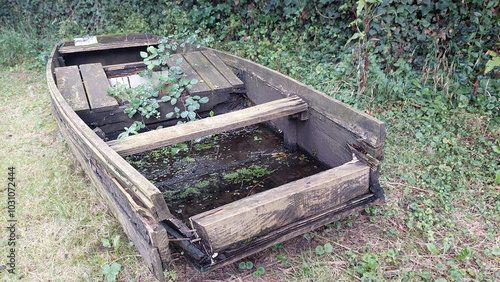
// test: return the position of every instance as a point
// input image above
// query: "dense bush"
(407, 50)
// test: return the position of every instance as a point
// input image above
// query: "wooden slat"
(200, 88)
(118, 70)
(262, 213)
(96, 84)
(223, 69)
(99, 46)
(70, 85)
(294, 229)
(217, 124)
(208, 72)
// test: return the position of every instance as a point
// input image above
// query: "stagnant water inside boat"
(222, 168)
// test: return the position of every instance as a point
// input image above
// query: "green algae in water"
(222, 169)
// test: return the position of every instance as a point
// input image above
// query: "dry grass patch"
(61, 219)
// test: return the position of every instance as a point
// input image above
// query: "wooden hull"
(329, 130)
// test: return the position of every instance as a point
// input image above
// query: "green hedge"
(377, 39)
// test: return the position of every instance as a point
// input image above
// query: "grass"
(61, 219)
(440, 220)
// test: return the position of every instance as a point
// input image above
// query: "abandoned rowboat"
(349, 143)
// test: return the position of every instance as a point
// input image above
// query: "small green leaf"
(116, 242)
(151, 49)
(115, 268)
(361, 5)
(261, 270)
(319, 250)
(242, 265)
(426, 275)
(465, 253)
(106, 243)
(432, 248)
(174, 151)
(249, 265)
(179, 61)
(105, 269)
(441, 279)
(371, 260)
(143, 54)
(496, 149)
(354, 37)
(496, 250)
(204, 100)
(169, 115)
(491, 64)
(328, 248)
(184, 114)
(173, 101)
(194, 81)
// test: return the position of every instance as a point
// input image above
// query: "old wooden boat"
(349, 143)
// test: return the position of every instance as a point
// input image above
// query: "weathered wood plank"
(262, 213)
(96, 84)
(223, 69)
(118, 70)
(105, 46)
(208, 72)
(290, 231)
(200, 88)
(217, 124)
(70, 85)
(366, 127)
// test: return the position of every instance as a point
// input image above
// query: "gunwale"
(143, 202)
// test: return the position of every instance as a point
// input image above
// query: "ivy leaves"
(142, 99)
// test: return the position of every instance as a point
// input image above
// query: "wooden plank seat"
(70, 85)
(96, 84)
(188, 131)
(85, 88)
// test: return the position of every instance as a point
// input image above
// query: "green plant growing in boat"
(172, 195)
(132, 129)
(248, 174)
(143, 98)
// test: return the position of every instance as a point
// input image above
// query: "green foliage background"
(407, 39)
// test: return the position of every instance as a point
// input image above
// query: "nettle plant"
(143, 99)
